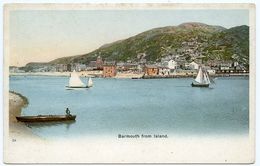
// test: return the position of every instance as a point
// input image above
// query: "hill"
(189, 39)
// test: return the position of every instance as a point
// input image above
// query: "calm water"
(125, 106)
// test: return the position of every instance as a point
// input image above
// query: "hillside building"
(99, 63)
(61, 67)
(171, 64)
(194, 66)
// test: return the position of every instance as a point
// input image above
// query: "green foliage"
(217, 43)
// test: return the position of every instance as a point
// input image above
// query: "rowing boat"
(46, 118)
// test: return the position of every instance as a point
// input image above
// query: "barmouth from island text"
(136, 136)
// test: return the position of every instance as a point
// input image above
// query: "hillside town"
(171, 65)
(172, 52)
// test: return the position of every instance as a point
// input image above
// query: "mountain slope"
(235, 42)
(232, 44)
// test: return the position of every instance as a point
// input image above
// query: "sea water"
(137, 106)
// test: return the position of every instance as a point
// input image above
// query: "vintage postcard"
(129, 83)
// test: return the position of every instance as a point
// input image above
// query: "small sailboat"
(75, 81)
(90, 82)
(202, 79)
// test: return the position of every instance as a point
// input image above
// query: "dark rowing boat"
(46, 118)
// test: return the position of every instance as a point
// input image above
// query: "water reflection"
(67, 124)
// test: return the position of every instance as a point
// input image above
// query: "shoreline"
(18, 130)
(193, 76)
(98, 74)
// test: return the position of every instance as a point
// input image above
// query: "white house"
(171, 64)
(194, 66)
(236, 64)
(164, 71)
(211, 71)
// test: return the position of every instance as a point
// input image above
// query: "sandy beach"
(18, 130)
(18, 133)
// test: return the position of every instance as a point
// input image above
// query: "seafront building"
(109, 69)
(164, 71)
(151, 70)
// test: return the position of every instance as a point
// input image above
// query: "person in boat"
(68, 112)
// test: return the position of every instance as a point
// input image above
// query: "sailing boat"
(202, 79)
(75, 81)
(90, 83)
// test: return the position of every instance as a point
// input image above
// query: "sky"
(44, 35)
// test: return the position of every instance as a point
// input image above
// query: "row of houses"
(168, 65)
(166, 68)
(14, 69)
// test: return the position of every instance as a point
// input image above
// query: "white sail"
(90, 82)
(199, 77)
(75, 80)
(207, 78)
